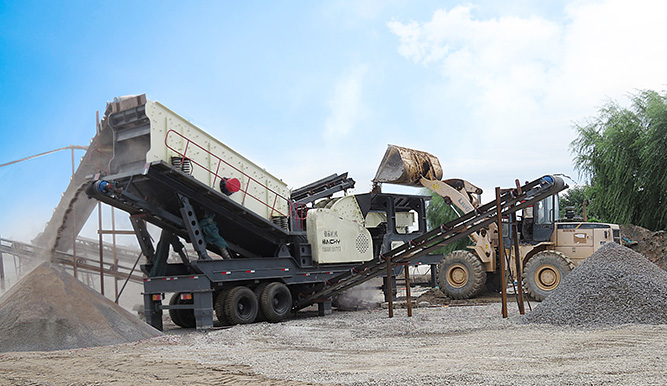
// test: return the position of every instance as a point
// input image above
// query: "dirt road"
(466, 345)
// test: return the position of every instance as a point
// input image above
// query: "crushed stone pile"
(614, 286)
(653, 245)
(50, 310)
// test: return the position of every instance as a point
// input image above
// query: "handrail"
(217, 176)
(71, 147)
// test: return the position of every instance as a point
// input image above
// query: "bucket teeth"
(403, 166)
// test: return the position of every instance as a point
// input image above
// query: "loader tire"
(461, 275)
(275, 302)
(544, 272)
(240, 306)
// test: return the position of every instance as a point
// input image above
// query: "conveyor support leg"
(324, 308)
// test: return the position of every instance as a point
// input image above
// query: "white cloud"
(524, 80)
(613, 47)
(500, 65)
(346, 104)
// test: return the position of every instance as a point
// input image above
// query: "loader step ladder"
(510, 202)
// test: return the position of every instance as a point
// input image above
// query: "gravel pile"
(51, 310)
(653, 245)
(614, 286)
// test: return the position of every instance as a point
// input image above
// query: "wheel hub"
(547, 278)
(244, 307)
(457, 276)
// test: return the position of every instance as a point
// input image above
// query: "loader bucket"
(403, 166)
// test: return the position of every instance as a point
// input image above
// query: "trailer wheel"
(275, 302)
(544, 272)
(241, 306)
(258, 294)
(219, 307)
(182, 318)
(173, 314)
(461, 275)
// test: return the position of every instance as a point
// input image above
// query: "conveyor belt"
(482, 217)
(85, 261)
(74, 207)
(322, 188)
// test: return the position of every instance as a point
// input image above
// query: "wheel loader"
(548, 247)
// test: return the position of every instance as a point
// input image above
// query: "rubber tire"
(449, 272)
(173, 314)
(182, 318)
(275, 302)
(219, 307)
(258, 293)
(555, 265)
(240, 306)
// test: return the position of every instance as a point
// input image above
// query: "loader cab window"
(546, 211)
(546, 214)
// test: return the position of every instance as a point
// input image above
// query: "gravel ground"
(444, 345)
(456, 345)
(438, 346)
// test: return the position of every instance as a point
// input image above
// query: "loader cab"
(546, 214)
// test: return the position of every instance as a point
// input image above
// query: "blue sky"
(310, 88)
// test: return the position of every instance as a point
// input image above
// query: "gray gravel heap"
(614, 286)
(51, 310)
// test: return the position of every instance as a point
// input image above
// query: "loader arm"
(409, 167)
(463, 195)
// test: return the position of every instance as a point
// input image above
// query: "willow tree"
(622, 153)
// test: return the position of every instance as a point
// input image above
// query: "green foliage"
(622, 153)
(438, 213)
(575, 197)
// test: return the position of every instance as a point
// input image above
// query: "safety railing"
(98, 159)
(190, 145)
